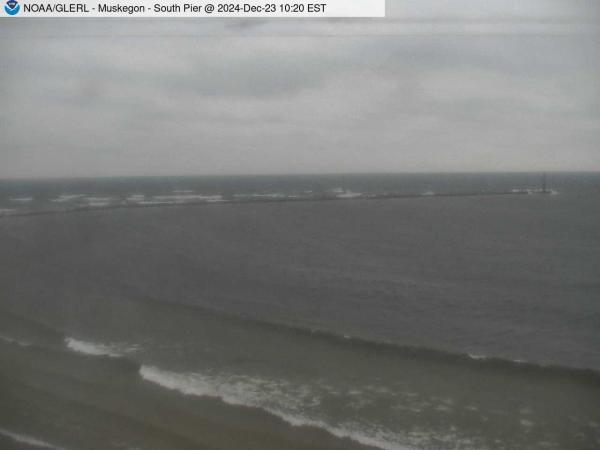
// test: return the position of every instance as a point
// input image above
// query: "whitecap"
(151, 202)
(136, 197)
(24, 439)
(67, 197)
(98, 349)
(526, 423)
(98, 201)
(11, 340)
(180, 198)
(349, 194)
(280, 398)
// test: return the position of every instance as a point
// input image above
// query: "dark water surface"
(430, 322)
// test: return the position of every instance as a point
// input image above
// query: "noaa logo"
(12, 7)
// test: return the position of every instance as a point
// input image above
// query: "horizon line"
(283, 174)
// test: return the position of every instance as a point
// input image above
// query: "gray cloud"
(439, 86)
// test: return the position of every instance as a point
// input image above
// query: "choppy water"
(433, 322)
(24, 196)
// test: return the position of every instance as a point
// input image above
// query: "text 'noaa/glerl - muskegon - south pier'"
(232, 8)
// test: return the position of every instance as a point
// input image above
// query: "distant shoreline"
(288, 199)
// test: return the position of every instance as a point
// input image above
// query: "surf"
(28, 440)
(242, 391)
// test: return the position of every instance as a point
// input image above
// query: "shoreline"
(111, 405)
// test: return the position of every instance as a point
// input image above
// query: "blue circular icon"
(12, 7)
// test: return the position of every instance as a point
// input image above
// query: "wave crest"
(96, 349)
(28, 440)
(279, 398)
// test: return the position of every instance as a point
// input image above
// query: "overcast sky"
(437, 86)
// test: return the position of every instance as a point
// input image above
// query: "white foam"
(526, 423)
(428, 193)
(21, 199)
(530, 191)
(179, 198)
(477, 357)
(23, 439)
(272, 195)
(349, 194)
(98, 202)
(97, 349)
(234, 390)
(279, 398)
(6, 210)
(14, 341)
(150, 202)
(67, 197)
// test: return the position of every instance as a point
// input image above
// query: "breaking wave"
(11, 340)
(277, 397)
(28, 440)
(96, 349)
(360, 343)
